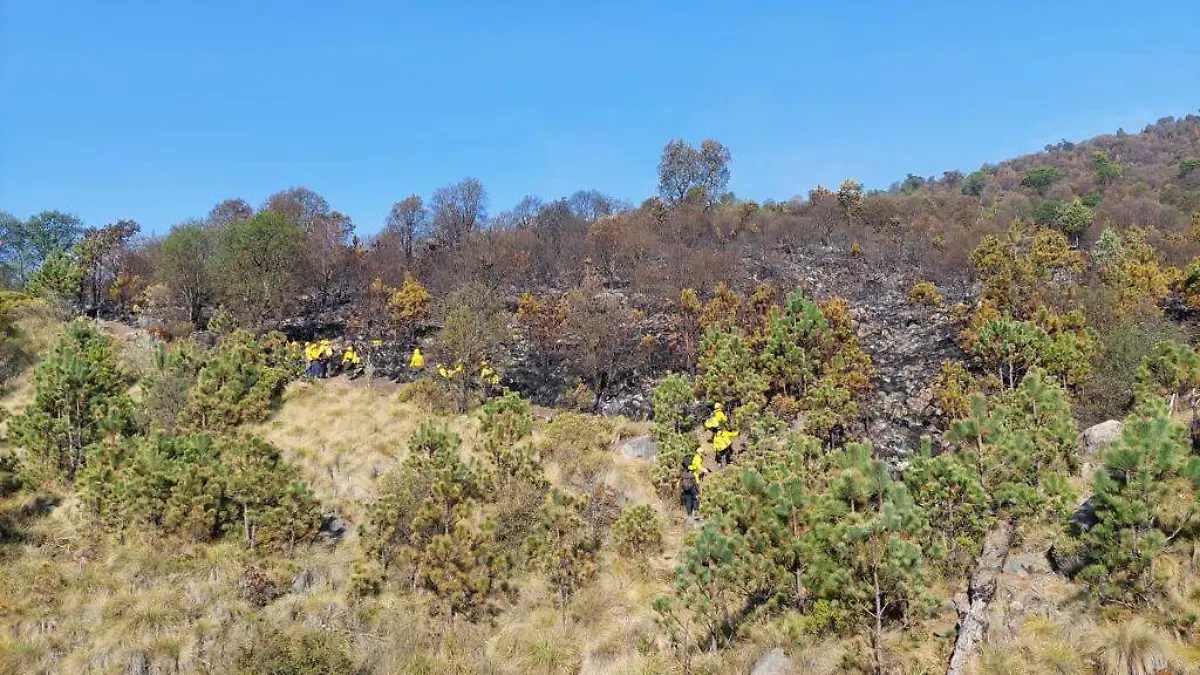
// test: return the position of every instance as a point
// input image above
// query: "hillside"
(959, 413)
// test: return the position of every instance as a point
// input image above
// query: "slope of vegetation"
(179, 498)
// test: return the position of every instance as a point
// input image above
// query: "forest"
(960, 418)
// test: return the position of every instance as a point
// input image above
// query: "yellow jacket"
(417, 360)
(351, 357)
(723, 439)
(697, 466)
(718, 420)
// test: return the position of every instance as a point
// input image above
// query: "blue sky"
(158, 110)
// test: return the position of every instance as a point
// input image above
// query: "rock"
(334, 528)
(1024, 564)
(1095, 438)
(775, 662)
(303, 583)
(640, 447)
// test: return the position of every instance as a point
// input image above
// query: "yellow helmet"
(717, 406)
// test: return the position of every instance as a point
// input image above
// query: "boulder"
(774, 662)
(639, 447)
(303, 583)
(1096, 438)
(334, 528)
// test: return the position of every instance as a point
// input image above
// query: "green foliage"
(14, 354)
(423, 525)
(638, 532)
(165, 389)
(1169, 371)
(197, 488)
(240, 381)
(81, 397)
(726, 372)
(1145, 496)
(186, 269)
(748, 555)
(58, 280)
(1188, 166)
(1067, 217)
(1041, 178)
(1020, 271)
(949, 492)
(674, 400)
(863, 548)
(673, 449)
(1108, 393)
(805, 358)
(562, 547)
(520, 484)
(1107, 171)
(925, 293)
(472, 337)
(254, 267)
(297, 653)
(1023, 443)
(1062, 346)
(975, 183)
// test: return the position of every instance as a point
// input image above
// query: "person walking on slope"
(689, 483)
(723, 435)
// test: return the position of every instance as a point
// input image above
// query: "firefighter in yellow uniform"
(723, 435)
(418, 360)
(351, 361)
(689, 483)
(312, 354)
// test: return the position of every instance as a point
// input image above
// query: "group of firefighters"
(723, 436)
(323, 362)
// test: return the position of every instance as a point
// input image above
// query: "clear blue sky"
(158, 110)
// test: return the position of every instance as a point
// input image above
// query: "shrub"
(296, 653)
(952, 390)
(197, 488)
(673, 403)
(366, 579)
(673, 448)
(925, 293)
(638, 532)
(241, 381)
(429, 395)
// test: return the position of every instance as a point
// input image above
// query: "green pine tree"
(80, 397)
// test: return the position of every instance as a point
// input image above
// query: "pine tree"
(863, 549)
(1170, 371)
(674, 400)
(1146, 496)
(1022, 444)
(241, 381)
(81, 396)
(949, 492)
(561, 547)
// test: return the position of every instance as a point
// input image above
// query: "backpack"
(687, 482)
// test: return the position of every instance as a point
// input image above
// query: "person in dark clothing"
(689, 488)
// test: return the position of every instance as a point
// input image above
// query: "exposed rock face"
(774, 662)
(906, 343)
(641, 447)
